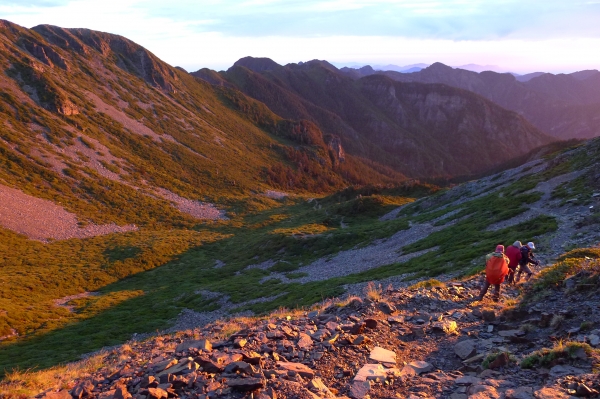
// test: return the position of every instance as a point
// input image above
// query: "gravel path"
(43, 220)
(380, 253)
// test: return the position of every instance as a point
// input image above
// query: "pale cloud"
(522, 35)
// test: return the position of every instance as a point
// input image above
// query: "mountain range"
(421, 130)
(564, 106)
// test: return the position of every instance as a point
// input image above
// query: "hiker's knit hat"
(517, 244)
(500, 248)
(531, 245)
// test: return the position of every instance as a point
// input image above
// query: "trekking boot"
(528, 276)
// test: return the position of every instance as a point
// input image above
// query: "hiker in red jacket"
(513, 253)
(496, 269)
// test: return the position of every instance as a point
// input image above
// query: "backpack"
(524, 255)
(496, 268)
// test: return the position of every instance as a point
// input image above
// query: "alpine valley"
(291, 231)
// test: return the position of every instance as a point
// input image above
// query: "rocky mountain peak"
(130, 56)
(257, 64)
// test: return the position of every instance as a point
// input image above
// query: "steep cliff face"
(420, 130)
(563, 106)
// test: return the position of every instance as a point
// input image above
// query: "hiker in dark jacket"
(496, 269)
(527, 257)
(513, 252)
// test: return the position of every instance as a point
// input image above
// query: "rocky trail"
(416, 342)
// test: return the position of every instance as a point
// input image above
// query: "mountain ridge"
(306, 91)
(564, 106)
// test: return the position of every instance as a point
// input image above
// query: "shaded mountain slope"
(419, 130)
(564, 106)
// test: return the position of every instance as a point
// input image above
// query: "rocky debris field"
(43, 220)
(197, 209)
(429, 340)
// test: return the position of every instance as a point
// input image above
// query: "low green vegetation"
(427, 284)
(143, 280)
(547, 357)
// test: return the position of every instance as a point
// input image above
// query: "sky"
(521, 36)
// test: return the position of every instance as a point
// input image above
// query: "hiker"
(513, 253)
(496, 269)
(527, 257)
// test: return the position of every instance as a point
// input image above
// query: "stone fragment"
(157, 393)
(421, 367)
(240, 342)
(395, 319)
(407, 371)
(584, 390)
(560, 370)
(165, 364)
(121, 393)
(371, 323)
(331, 326)
(146, 381)
(180, 368)
(476, 358)
(63, 394)
(361, 339)
(593, 339)
(239, 366)
(467, 380)
(382, 355)
(252, 357)
(359, 389)
(519, 393)
(511, 333)
(550, 393)
(305, 342)
(246, 384)
(357, 328)
(483, 392)
(201, 345)
(209, 365)
(386, 307)
(316, 385)
(457, 395)
(373, 371)
(301, 369)
(465, 349)
(488, 315)
(82, 389)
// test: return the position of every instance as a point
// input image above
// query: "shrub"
(427, 284)
(373, 291)
(545, 357)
